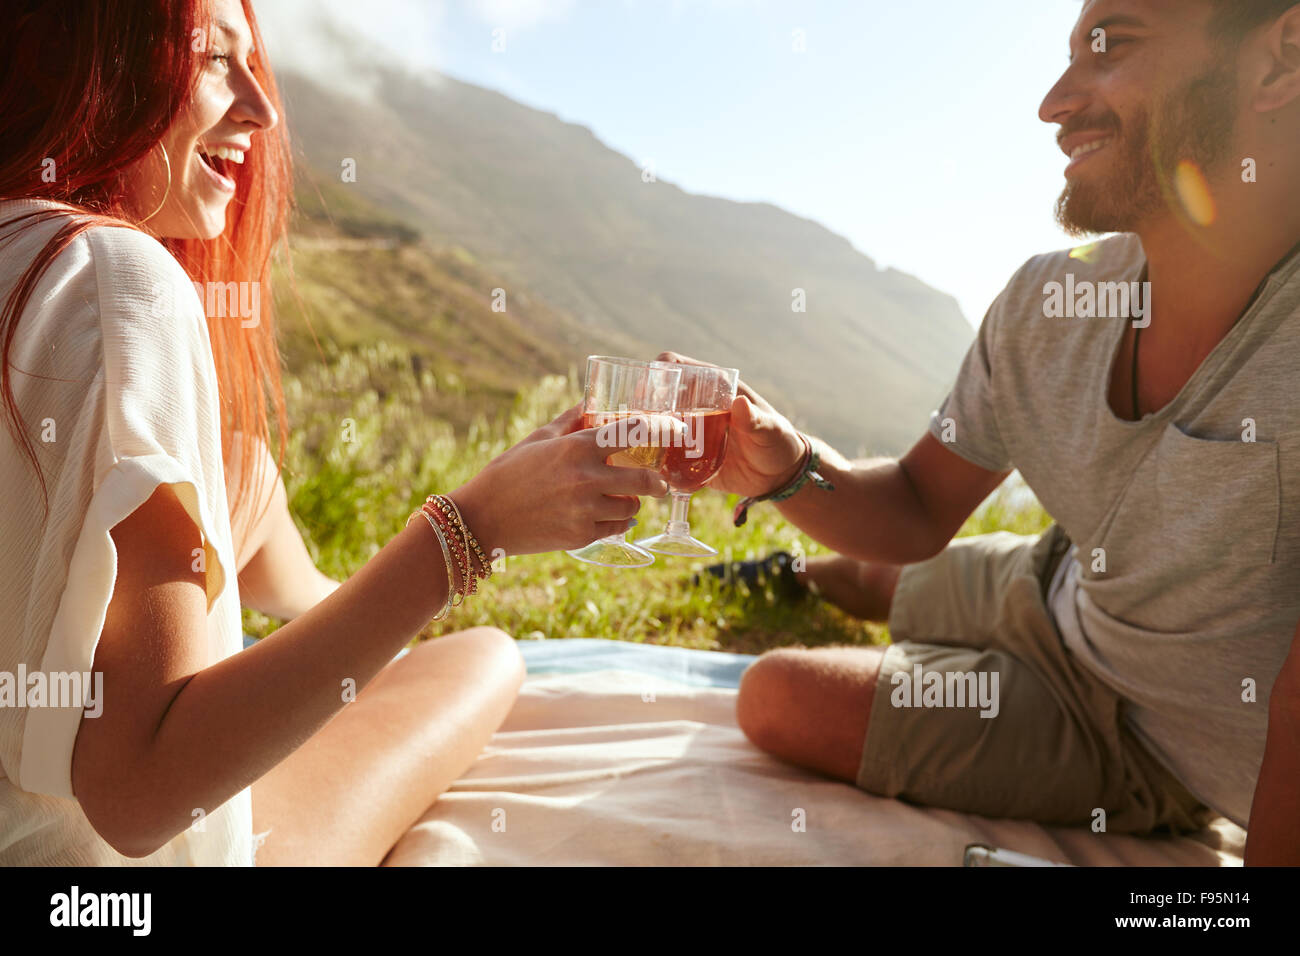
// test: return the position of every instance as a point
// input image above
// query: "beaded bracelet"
(460, 550)
(483, 560)
(468, 584)
(451, 512)
(446, 560)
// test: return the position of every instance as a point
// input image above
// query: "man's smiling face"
(1150, 96)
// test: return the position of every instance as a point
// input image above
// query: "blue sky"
(909, 128)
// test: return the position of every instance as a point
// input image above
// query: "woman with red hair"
(141, 152)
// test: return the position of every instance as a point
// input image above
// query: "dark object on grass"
(775, 570)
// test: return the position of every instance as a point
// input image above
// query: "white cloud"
(520, 14)
(305, 35)
(336, 41)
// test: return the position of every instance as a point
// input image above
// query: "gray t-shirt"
(1185, 590)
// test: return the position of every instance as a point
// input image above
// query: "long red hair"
(93, 85)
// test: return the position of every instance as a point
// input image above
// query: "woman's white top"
(113, 375)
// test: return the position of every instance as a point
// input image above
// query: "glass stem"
(678, 526)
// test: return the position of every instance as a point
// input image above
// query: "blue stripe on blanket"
(575, 655)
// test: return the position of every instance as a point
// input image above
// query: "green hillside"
(360, 278)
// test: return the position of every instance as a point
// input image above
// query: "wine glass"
(619, 388)
(704, 398)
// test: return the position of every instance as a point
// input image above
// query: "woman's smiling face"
(209, 139)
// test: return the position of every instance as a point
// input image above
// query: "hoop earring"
(166, 192)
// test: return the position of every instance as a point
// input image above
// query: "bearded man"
(1146, 646)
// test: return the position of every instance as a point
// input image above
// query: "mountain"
(555, 217)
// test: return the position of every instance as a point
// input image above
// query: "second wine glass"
(704, 399)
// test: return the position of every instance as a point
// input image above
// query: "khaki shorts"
(1057, 749)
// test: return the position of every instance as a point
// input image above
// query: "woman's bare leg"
(347, 795)
(861, 588)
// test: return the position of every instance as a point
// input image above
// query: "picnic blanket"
(627, 754)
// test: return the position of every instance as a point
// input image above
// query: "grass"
(368, 445)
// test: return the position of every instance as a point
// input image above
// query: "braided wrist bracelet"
(808, 466)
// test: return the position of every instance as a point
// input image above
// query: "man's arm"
(894, 511)
(897, 512)
(1273, 837)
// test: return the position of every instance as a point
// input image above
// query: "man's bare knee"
(811, 707)
(766, 691)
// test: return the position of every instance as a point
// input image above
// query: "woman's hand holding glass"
(554, 491)
(627, 401)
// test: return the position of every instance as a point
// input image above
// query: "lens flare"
(1084, 253)
(1194, 193)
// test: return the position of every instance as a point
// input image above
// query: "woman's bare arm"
(277, 575)
(280, 578)
(178, 735)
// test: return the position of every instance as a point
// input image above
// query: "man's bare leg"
(349, 793)
(861, 588)
(810, 707)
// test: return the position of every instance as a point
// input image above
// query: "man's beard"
(1195, 124)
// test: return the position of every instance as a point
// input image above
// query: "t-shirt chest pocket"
(1217, 501)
